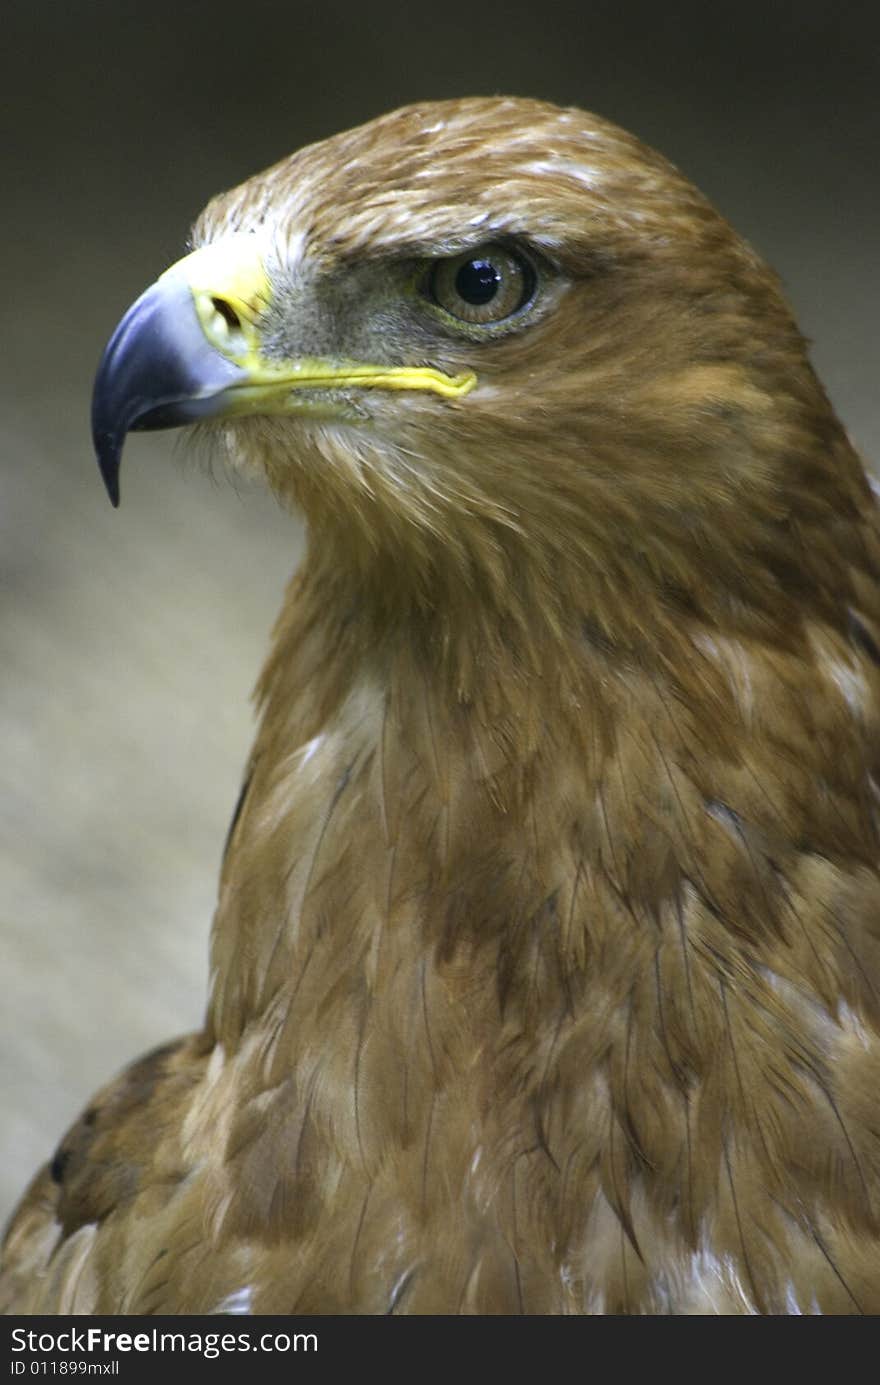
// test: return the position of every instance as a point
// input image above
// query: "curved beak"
(157, 371)
(178, 350)
(190, 348)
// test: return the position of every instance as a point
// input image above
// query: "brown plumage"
(545, 972)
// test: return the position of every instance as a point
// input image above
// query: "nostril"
(227, 312)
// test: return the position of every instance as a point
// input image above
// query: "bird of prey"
(545, 972)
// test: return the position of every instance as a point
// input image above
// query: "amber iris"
(483, 286)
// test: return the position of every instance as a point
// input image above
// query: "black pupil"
(478, 281)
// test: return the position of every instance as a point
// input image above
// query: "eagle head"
(493, 345)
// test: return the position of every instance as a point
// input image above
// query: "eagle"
(545, 970)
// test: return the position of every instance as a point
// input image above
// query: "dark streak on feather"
(237, 811)
(862, 637)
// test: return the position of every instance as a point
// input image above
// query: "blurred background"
(129, 641)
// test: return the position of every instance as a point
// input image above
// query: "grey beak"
(158, 371)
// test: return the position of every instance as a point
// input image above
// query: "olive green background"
(129, 641)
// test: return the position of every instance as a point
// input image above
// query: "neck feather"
(430, 794)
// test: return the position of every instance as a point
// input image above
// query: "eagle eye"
(481, 286)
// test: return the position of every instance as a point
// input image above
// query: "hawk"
(545, 972)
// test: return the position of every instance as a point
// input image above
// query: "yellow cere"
(231, 290)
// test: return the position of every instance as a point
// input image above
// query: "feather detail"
(546, 962)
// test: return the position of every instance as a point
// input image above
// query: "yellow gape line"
(231, 291)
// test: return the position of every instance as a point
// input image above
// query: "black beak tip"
(109, 451)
